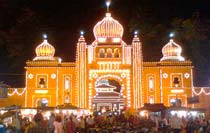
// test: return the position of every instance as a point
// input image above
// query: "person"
(38, 127)
(16, 123)
(90, 122)
(204, 125)
(184, 125)
(82, 125)
(176, 124)
(2, 127)
(70, 126)
(51, 122)
(58, 125)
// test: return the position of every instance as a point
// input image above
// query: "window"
(67, 99)
(42, 81)
(67, 83)
(101, 53)
(176, 81)
(151, 83)
(109, 53)
(151, 99)
(116, 53)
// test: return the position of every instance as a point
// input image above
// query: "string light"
(16, 92)
(202, 90)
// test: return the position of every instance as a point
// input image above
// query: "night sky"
(22, 23)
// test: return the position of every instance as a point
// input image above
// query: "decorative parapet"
(167, 63)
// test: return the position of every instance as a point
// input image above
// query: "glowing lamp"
(177, 91)
(102, 39)
(41, 91)
(108, 3)
(81, 32)
(44, 36)
(171, 35)
(99, 113)
(136, 32)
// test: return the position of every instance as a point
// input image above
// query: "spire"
(136, 38)
(108, 2)
(81, 38)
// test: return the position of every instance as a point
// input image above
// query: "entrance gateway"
(108, 96)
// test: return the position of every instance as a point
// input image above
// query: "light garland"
(16, 92)
(202, 90)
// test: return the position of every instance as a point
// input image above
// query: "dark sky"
(26, 20)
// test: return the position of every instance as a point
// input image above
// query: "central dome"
(108, 29)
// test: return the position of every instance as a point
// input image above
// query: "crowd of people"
(109, 123)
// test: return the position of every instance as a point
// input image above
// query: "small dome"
(172, 51)
(108, 28)
(45, 51)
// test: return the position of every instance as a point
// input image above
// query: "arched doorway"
(109, 96)
(42, 102)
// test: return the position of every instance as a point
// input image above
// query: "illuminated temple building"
(108, 74)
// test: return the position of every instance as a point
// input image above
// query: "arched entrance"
(42, 102)
(109, 96)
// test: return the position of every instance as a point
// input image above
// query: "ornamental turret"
(172, 52)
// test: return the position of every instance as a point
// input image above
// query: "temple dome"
(172, 51)
(108, 29)
(45, 51)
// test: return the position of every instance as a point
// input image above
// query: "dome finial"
(136, 32)
(108, 2)
(171, 35)
(44, 36)
(81, 33)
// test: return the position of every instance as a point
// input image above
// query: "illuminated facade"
(107, 68)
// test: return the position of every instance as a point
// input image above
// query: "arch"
(111, 77)
(109, 53)
(116, 53)
(101, 53)
(43, 102)
(107, 92)
(118, 78)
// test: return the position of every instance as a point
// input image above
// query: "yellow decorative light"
(44, 51)
(41, 91)
(177, 91)
(172, 51)
(108, 28)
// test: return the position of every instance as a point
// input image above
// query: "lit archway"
(42, 102)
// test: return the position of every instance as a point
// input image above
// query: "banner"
(193, 100)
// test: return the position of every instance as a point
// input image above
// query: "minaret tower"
(137, 71)
(81, 70)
